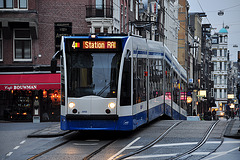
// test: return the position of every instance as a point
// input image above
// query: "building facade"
(172, 24)
(183, 57)
(30, 34)
(220, 60)
(206, 83)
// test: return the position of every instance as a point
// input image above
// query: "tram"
(118, 82)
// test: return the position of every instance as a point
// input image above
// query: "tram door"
(140, 85)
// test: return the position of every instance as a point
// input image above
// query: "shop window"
(22, 45)
(1, 51)
(6, 4)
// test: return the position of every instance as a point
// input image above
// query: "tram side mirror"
(54, 61)
(128, 55)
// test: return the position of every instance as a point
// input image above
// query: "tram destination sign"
(99, 44)
(85, 45)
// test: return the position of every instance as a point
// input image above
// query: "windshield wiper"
(104, 89)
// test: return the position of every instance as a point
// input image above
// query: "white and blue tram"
(118, 83)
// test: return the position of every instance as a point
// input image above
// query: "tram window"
(139, 90)
(62, 81)
(125, 98)
(155, 78)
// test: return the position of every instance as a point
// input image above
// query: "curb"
(228, 131)
(35, 135)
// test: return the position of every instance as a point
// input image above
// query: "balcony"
(104, 12)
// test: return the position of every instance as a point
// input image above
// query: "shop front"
(23, 96)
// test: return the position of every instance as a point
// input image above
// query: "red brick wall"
(48, 12)
(58, 11)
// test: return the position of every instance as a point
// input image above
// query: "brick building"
(30, 34)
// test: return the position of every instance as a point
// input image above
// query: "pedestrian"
(214, 114)
(227, 113)
(194, 112)
(209, 115)
(232, 114)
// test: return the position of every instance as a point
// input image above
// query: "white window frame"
(18, 6)
(7, 8)
(1, 41)
(22, 8)
(21, 60)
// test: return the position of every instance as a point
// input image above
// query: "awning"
(29, 81)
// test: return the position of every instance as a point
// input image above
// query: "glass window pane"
(22, 34)
(1, 3)
(9, 4)
(0, 49)
(27, 49)
(22, 3)
(93, 74)
(99, 4)
(18, 49)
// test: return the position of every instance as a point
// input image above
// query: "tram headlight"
(111, 105)
(71, 105)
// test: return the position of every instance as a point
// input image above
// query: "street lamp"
(220, 13)
(226, 27)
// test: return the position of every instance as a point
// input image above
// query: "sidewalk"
(52, 131)
(233, 129)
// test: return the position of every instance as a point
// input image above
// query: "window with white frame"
(22, 45)
(6, 4)
(221, 52)
(121, 17)
(136, 10)
(131, 5)
(9, 4)
(215, 93)
(1, 49)
(23, 4)
(215, 66)
(225, 52)
(125, 25)
(215, 79)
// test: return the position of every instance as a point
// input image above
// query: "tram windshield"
(93, 73)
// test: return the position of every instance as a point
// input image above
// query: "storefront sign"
(20, 87)
(29, 82)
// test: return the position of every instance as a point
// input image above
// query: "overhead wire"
(230, 7)
(203, 11)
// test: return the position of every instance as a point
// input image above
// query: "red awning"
(29, 81)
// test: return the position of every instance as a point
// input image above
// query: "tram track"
(68, 140)
(98, 150)
(108, 143)
(183, 155)
(149, 145)
(48, 150)
(199, 144)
